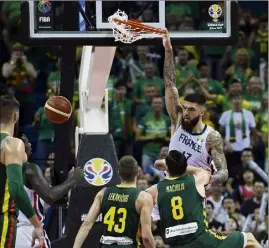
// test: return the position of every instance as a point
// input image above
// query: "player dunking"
(123, 208)
(198, 142)
(12, 192)
(180, 201)
(40, 192)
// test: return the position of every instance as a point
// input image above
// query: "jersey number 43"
(109, 219)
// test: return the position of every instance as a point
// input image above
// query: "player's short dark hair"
(196, 98)
(128, 168)
(8, 106)
(210, 203)
(176, 163)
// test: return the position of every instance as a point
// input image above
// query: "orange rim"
(141, 26)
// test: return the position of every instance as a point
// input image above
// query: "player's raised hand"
(77, 174)
(160, 164)
(167, 42)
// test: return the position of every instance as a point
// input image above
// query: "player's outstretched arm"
(171, 93)
(145, 220)
(41, 186)
(14, 154)
(215, 144)
(91, 218)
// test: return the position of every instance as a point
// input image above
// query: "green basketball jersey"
(6, 203)
(181, 210)
(121, 222)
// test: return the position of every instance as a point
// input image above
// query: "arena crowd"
(233, 79)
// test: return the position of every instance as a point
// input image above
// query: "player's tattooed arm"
(214, 143)
(171, 93)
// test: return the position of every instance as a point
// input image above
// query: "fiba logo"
(215, 12)
(44, 6)
(98, 172)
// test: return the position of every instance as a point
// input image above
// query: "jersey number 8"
(109, 219)
(177, 210)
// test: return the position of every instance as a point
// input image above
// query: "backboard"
(188, 22)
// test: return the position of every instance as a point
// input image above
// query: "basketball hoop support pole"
(95, 68)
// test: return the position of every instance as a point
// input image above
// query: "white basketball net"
(125, 32)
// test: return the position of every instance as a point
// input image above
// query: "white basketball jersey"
(37, 204)
(193, 146)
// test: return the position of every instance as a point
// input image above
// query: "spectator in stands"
(251, 204)
(212, 223)
(244, 191)
(258, 149)
(121, 120)
(45, 135)
(150, 78)
(219, 214)
(136, 66)
(230, 53)
(154, 132)
(254, 93)
(144, 55)
(53, 80)
(187, 23)
(47, 175)
(233, 224)
(247, 163)
(20, 75)
(261, 118)
(241, 68)
(258, 41)
(214, 86)
(236, 125)
(142, 109)
(263, 236)
(184, 71)
(253, 223)
(10, 16)
(230, 207)
(224, 101)
(142, 183)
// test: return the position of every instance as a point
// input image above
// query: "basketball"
(58, 109)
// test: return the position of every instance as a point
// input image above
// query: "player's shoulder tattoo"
(214, 140)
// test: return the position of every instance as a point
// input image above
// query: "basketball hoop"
(129, 31)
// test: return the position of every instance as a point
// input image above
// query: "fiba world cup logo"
(44, 6)
(98, 172)
(215, 12)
